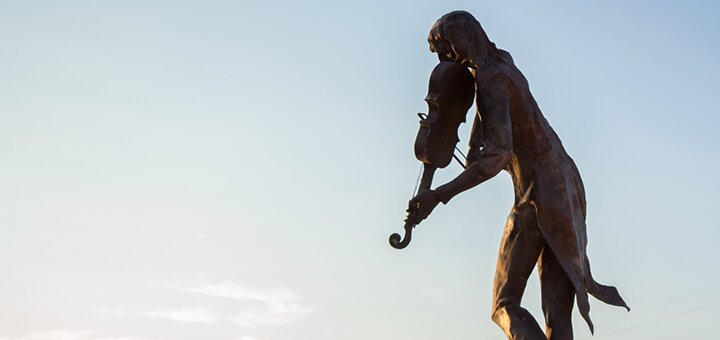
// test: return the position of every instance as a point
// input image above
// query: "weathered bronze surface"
(547, 222)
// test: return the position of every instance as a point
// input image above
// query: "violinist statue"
(547, 222)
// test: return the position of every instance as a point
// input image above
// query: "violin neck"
(427, 176)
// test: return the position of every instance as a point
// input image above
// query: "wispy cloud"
(231, 290)
(59, 334)
(67, 334)
(260, 307)
(267, 317)
(436, 294)
(184, 314)
(253, 307)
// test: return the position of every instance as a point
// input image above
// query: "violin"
(450, 96)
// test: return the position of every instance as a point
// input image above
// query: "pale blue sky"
(187, 170)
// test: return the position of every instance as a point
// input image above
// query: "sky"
(231, 170)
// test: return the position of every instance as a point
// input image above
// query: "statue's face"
(444, 50)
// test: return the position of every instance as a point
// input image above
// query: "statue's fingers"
(414, 204)
(412, 217)
(413, 201)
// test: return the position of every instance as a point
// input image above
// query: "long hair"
(465, 36)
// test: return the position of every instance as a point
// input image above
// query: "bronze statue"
(547, 222)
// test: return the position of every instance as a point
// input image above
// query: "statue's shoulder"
(491, 76)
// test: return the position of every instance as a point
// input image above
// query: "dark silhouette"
(547, 222)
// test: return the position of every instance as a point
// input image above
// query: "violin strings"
(459, 161)
(461, 153)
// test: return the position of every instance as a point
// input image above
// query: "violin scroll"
(396, 241)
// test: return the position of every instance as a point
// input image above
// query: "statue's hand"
(420, 207)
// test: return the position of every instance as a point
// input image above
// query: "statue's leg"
(558, 297)
(519, 251)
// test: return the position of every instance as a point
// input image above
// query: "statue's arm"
(493, 102)
(476, 140)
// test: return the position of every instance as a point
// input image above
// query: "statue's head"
(458, 36)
